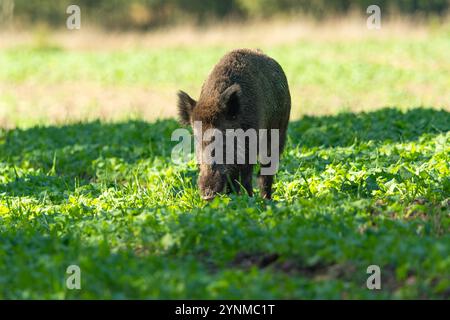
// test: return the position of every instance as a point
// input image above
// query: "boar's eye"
(233, 106)
(230, 101)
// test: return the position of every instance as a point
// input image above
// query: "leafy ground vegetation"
(354, 188)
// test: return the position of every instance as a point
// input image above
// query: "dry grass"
(23, 103)
(62, 103)
(67, 102)
(233, 34)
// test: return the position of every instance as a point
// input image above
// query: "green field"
(364, 180)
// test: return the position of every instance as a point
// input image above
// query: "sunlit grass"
(86, 175)
(353, 190)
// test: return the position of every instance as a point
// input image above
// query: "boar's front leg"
(233, 182)
(246, 178)
(242, 178)
(265, 181)
(265, 185)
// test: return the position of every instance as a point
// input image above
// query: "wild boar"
(246, 91)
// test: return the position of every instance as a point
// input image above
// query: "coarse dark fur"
(246, 89)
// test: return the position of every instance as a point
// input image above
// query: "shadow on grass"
(62, 156)
(72, 150)
(383, 125)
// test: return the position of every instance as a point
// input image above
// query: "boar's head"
(216, 113)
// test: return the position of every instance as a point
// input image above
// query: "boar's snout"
(211, 182)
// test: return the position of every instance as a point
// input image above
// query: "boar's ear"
(185, 106)
(230, 100)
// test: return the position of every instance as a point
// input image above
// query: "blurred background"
(130, 57)
(148, 14)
